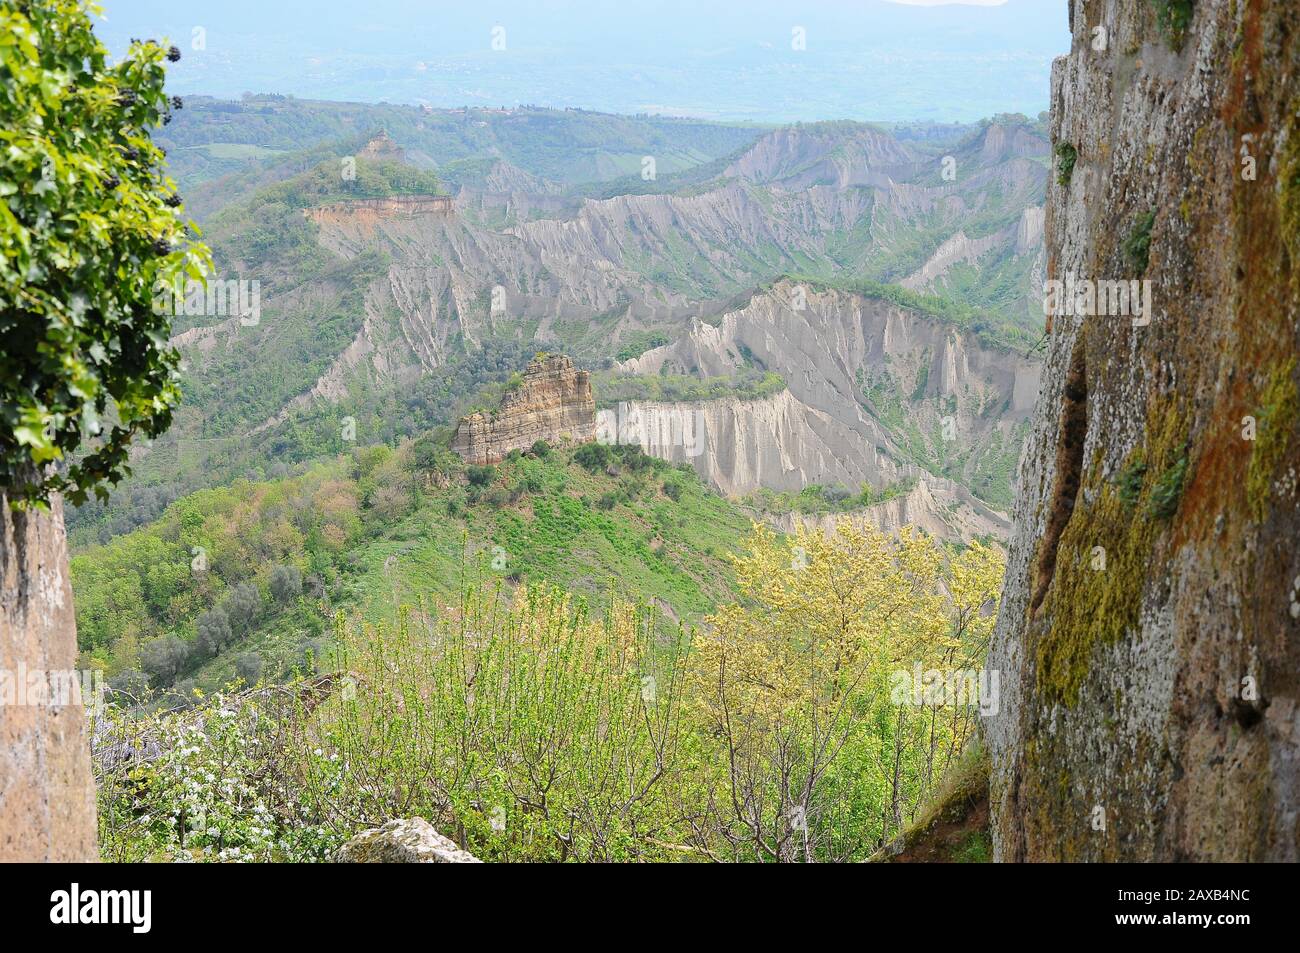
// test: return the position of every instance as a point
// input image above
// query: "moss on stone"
(1066, 156)
(1088, 607)
(1275, 419)
(953, 826)
(1289, 184)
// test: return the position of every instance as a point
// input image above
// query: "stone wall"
(1149, 633)
(47, 794)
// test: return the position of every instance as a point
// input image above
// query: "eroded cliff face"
(516, 259)
(877, 393)
(944, 509)
(553, 403)
(365, 215)
(47, 794)
(1149, 633)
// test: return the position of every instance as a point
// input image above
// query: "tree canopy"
(89, 227)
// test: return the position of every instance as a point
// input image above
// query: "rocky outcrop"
(382, 148)
(642, 261)
(873, 388)
(798, 158)
(410, 841)
(509, 259)
(553, 402)
(47, 793)
(957, 249)
(777, 442)
(1149, 634)
(364, 215)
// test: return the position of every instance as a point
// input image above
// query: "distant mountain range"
(884, 281)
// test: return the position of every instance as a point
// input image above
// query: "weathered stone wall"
(47, 800)
(1149, 636)
(553, 403)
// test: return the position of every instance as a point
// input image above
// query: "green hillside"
(246, 579)
(217, 148)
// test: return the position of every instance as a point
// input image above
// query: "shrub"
(1168, 490)
(216, 791)
(672, 490)
(1137, 246)
(128, 688)
(390, 503)
(776, 731)
(164, 658)
(183, 695)
(213, 631)
(480, 476)
(425, 453)
(836, 494)
(634, 458)
(592, 457)
(310, 655)
(541, 448)
(286, 583)
(91, 232)
(1174, 16)
(242, 605)
(1066, 156)
(249, 667)
(314, 586)
(1129, 481)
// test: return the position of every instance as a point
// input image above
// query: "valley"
(382, 322)
(391, 482)
(522, 375)
(807, 329)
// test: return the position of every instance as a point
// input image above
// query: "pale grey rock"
(408, 841)
(827, 345)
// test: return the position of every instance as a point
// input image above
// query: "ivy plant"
(90, 230)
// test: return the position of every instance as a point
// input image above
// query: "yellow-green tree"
(792, 687)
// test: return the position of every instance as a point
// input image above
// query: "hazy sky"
(731, 59)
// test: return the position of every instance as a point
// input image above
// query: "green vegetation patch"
(640, 342)
(1136, 247)
(1105, 555)
(1066, 156)
(379, 528)
(745, 384)
(818, 500)
(1275, 421)
(1174, 17)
